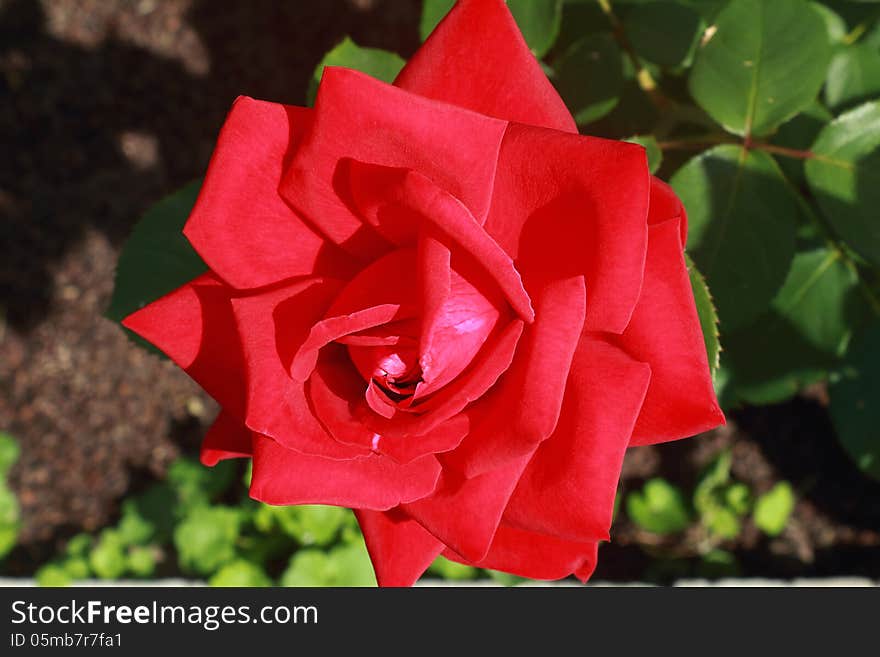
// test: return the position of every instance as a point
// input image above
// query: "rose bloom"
(436, 304)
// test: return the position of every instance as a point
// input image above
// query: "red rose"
(437, 304)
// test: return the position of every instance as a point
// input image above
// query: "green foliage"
(539, 22)
(157, 258)
(719, 501)
(773, 508)
(240, 573)
(854, 407)
(708, 315)
(589, 75)
(803, 334)
(739, 209)
(844, 175)
(9, 510)
(206, 538)
(381, 64)
(763, 63)
(664, 33)
(659, 507)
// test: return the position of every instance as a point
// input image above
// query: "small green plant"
(773, 509)
(660, 507)
(10, 520)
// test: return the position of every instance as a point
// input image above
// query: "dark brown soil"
(106, 106)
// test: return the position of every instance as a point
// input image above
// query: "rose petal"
(329, 329)
(477, 58)
(523, 410)
(227, 438)
(429, 203)
(400, 548)
(195, 327)
(359, 118)
(666, 205)
(275, 323)
(568, 205)
(535, 555)
(665, 332)
(240, 226)
(336, 398)
(568, 488)
(286, 477)
(464, 513)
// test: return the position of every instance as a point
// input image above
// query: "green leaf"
(158, 505)
(107, 558)
(854, 408)
(802, 336)
(538, 21)
(761, 64)
(205, 540)
(433, 12)
(310, 524)
(196, 484)
(9, 519)
(77, 567)
(157, 258)
(834, 24)
(664, 33)
(240, 573)
(452, 570)
(9, 452)
(589, 77)
(659, 507)
(308, 567)
(741, 228)
(844, 176)
(738, 498)
(141, 560)
(380, 64)
(345, 565)
(506, 579)
(351, 565)
(773, 509)
(853, 76)
(134, 528)
(707, 314)
(652, 149)
(53, 574)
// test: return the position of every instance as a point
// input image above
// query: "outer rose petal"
(359, 118)
(567, 205)
(464, 513)
(240, 225)
(568, 488)
(665, 332)
(286, 477)
(477, 58)
(535, 555)
(227, 438)
(400, 548)
(195, 327)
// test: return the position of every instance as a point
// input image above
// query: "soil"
(108, 105)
